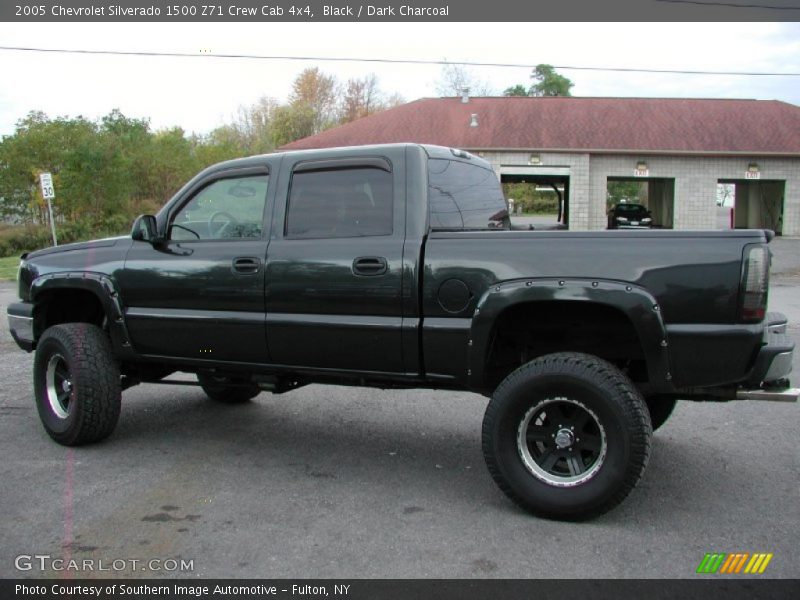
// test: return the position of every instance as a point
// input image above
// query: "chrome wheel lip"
(58, 392)
(535, 469)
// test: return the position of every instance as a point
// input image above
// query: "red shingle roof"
(579, 124)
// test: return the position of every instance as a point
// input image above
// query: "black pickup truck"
(395, 266)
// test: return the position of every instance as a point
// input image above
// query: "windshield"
(630, 208)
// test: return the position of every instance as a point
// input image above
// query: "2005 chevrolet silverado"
(396, 266)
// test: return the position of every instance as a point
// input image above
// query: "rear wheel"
(76, 384)
(228, 390)
(660, 410)
(567, 436)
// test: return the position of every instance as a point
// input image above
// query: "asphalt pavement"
(346, 482)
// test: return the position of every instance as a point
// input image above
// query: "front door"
(200, 295)
(334, 266)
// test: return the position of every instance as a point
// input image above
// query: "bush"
(541, 205)
(530, 199)
(15, 240)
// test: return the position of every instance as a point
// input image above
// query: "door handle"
(369, 266)
(246, 265)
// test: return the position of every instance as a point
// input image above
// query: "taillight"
(755, 283)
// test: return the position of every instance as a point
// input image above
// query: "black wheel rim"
(58, 380)
(561, 442)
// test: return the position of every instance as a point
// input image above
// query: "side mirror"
(145, 229)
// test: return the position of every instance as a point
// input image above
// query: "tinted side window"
(225, 209)
(353, 202)
(465, 196)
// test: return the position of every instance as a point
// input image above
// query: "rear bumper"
(774, 360)
(20, 324)
(776, 322)
(780, 367)
(769, 378)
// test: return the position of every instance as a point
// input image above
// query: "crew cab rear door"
(333, 278)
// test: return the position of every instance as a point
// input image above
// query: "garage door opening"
(747, 204)
(538, 200)
(656, 194)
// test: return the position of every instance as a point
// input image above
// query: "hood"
(103, 243)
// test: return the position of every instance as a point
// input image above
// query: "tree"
(42, 144)
(171, 163)
(293, 122)
(516, 90)
(362, 97)
(127, 141)
(314, 94)
(454, 78)
(394, 100)
(549, 83)
(94, 177)
(223, 143)
(251, 128)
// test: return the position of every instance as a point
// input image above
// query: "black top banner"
(398, 11)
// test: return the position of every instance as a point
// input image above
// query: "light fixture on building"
(473, 122)
(753, 172)
(535, 159)
(641, 166)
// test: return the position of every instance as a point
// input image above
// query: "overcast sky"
(200, 94)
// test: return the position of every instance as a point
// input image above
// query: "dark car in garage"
(629, 216)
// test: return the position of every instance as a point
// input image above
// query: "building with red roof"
(683, 148)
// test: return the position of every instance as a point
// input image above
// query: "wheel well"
(67, 306)
(526, 331)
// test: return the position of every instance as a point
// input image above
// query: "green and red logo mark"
(738, 562)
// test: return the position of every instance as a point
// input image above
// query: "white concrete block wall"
(695, 183)
(791, 205)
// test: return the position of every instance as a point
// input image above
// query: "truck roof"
(431, 150)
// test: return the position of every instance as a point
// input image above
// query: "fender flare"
(104, 288)
(635, 302)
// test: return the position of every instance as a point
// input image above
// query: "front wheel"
(567, 436)
(76, 383)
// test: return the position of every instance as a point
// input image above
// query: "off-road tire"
(227, 390)
(613, 403)
(660, 410)
(90, 405)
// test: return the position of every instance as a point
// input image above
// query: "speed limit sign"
(48, 193)
(46, 181)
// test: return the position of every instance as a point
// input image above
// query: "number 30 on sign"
(48, 191)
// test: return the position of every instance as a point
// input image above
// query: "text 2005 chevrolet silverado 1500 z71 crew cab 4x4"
(394, 266)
